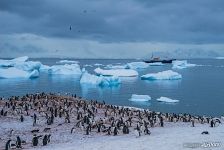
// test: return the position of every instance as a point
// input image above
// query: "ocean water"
(200, 91)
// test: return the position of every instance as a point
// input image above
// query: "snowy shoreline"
(172, 136)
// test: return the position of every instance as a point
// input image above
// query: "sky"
(112, 28)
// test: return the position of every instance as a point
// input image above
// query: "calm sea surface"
(200, 91)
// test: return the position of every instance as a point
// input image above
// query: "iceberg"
(13, 72)
(140, 98)
(137, 65)
(181, 64)
(64, 69)
(117, 72)
(67, 61)
(167, 100)
(164, 75)
(12, 62)
(28, 66)
(99, 80)
(44, 68)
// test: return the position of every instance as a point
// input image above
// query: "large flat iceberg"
(99, 80)
(181, 64)
(167, 100)
(12, 62)
(137, 65)
(73, 69)
(117, 72)
(140, 98)
(13, 72)
(164, 75)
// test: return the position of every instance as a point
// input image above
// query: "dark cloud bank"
(186, 22)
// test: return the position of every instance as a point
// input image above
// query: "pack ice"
(140, 98)
(167, 100)
(116, 72)
(99, 80)
(181, 64)
(164, 75)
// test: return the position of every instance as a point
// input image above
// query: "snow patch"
(167, 100)
(164, 75)
(117, 72)
(140, 98)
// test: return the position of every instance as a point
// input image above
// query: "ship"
(157, 59)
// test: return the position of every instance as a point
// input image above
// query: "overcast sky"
(111, 28)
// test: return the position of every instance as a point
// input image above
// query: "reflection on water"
(140, 103)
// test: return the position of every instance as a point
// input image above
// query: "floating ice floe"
(117, 72)
(219, 57)
(13, 72)
(116, 66)
(137, 65)
(167, 100)
(99, 80)
(12, 62)
(164, 75)
(181, 64)
(156, 64)
(73, 69)
(98, 64)
(67, 61)
(140, 98)
(88, 65)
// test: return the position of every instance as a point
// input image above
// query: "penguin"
(72, 130)
(21, 118)
(35, 140)
(18, 142)
(8, 145)
(45, 140)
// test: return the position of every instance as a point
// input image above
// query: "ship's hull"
(168, 61)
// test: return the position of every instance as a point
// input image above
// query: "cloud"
(126, 25)
(178, 21)
(38, 46)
